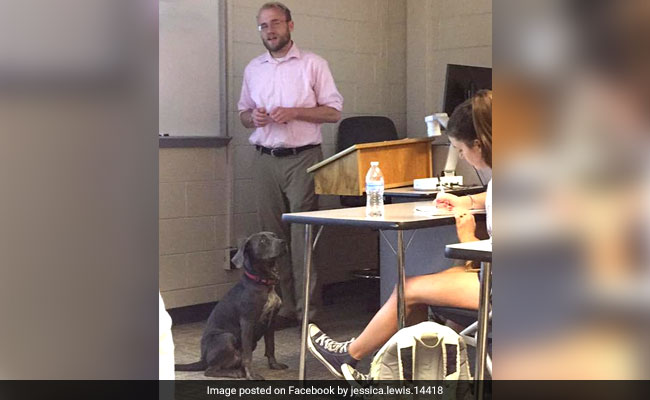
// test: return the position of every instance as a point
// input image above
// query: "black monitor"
(462, 82)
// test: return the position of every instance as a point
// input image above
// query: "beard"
(281, 42)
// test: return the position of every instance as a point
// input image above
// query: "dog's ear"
(240, 256)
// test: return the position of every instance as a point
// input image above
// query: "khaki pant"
(283, 185)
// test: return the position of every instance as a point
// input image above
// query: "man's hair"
(277, 5)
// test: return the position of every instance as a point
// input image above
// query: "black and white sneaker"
(354, 377)
(331, 353)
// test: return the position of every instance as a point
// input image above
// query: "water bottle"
(374, 191)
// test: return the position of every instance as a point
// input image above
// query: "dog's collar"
(257, 279)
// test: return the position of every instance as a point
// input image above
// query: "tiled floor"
(342, 321)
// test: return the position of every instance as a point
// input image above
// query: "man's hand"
(282, 115)
(260, 117)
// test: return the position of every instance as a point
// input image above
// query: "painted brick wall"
(194, 204)
(441, 32)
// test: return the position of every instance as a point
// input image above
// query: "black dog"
(244, 314)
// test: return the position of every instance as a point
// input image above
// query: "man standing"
(286, 95)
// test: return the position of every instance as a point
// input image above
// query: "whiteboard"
(191, 68)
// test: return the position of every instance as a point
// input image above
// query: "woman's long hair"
(472, 120)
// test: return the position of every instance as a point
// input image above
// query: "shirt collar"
(294, 52)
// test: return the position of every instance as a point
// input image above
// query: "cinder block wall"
(194, 225)
(441, 32)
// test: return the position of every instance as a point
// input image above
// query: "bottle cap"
(374, 163)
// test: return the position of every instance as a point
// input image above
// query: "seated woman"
(470, 131)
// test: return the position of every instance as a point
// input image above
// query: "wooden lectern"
(400, 161)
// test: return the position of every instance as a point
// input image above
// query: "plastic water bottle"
(374, 191)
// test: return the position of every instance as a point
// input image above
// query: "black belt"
(283, 152)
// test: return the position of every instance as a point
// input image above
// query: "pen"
(441, 191)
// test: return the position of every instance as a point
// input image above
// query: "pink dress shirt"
(300, 79)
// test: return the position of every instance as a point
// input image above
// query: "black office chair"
(355, 130)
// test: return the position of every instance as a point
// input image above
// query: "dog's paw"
(277, 365)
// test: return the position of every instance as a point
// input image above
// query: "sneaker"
(354, 377)
(331, 353)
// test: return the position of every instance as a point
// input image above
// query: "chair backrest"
(355, 130)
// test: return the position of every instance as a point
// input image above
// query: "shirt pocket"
(262, 89)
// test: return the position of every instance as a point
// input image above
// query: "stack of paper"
(432, 210)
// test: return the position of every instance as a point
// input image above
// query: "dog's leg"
(223, 356)
(247, 337)
(269, 349)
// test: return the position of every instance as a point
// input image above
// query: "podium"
(400, 161)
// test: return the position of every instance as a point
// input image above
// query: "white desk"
(399, 217)
(479, 251)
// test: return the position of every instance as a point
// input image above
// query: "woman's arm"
(470, 202)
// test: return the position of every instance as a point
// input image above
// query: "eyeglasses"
(274, 24)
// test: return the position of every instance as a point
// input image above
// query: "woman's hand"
(447, 201)
(465, 225)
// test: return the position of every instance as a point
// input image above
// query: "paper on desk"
(432, 210)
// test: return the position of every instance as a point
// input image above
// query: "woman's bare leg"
(453, 287)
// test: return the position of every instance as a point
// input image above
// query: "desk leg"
(309, 232)
(401, 278)
(483, 312)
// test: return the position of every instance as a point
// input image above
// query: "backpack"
(426, 351)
